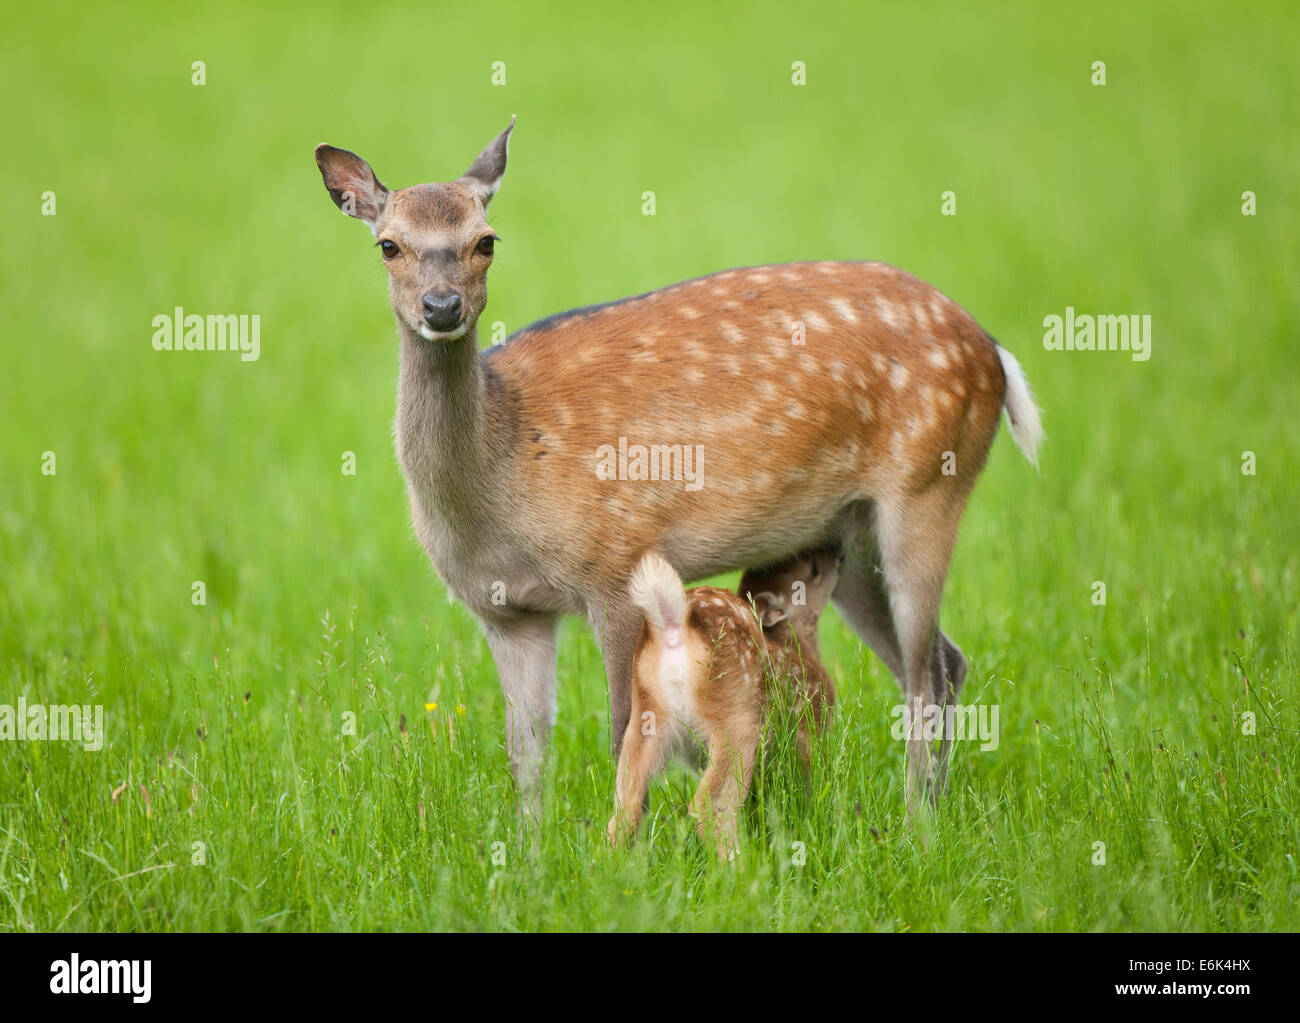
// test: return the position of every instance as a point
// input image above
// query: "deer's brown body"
(889, 376)
(706, 666)
(846, 403)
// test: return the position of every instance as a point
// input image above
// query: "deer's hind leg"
(868, 599)
(917, 536)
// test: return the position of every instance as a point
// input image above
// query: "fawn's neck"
(797, 644)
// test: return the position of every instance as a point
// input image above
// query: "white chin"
(429, 334)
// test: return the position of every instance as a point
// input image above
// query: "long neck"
(797, 643)
(442, 424)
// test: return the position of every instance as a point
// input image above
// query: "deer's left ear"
(771, 608)
(484, 177)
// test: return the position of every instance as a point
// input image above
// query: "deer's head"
(794, 591)
(434, 239)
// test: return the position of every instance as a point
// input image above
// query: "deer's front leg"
(524, 651)
(617, 625)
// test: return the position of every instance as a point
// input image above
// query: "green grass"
(1121, 724)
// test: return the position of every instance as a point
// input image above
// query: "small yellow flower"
(430, 706)
(460, 711)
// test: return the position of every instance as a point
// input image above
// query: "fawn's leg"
(819, 703)
(642, 753)
(724, 788)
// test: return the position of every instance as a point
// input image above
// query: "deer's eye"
(485, 245)
(389, 249)
(816, 570)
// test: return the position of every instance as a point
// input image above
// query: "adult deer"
(820, 403)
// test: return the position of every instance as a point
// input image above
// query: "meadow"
(313, 739)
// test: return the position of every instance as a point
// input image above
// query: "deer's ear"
(352, 184)
(485, 174)
(771, 608)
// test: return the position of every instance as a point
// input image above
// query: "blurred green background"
(176, 467)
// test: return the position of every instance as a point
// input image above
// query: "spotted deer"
(705, 668)
(824, 402)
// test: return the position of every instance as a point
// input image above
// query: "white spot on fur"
(897, 374)
(938, 357)
(844, 310)
(815, 320)
(730, 332)
(888, 312)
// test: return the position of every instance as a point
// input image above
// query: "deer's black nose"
(442, 312)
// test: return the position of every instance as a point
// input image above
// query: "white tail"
(1022, 412)
(657, 590)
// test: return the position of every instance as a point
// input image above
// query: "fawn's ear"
(352, 184)
(771, 608)
(485, 175)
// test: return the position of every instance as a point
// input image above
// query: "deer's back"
(798, 388)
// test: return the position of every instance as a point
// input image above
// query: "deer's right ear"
(352, 184)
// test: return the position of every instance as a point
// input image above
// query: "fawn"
(832, 403)
(704, 669)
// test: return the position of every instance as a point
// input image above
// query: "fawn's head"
(434, 239)
(796, 590)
